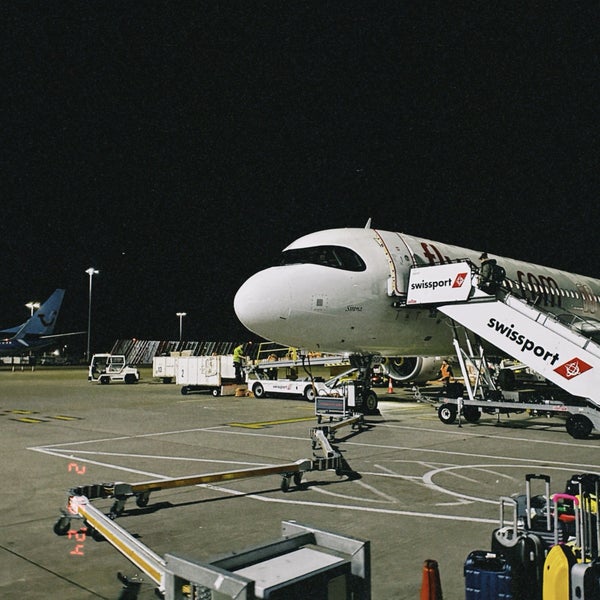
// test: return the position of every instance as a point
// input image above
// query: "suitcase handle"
(575, 500)
(531, 476)
(546, 479)
(557, 497)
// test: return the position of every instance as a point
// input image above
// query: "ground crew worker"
(446, 373)
(238, 363)
(487, 274)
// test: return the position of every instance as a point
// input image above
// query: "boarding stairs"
(558, 351)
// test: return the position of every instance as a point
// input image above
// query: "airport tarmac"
(426, 490)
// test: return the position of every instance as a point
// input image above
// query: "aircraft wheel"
(62, 526)
(258, 390)
(579, 426)
(471, 414)
(447, 413)
(309, 394)
(370, 403)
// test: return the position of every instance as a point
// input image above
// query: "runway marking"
(483, 434)
(29, 420)
(261, 424)
(65, 418)
(69, 452)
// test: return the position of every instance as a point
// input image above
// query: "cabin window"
(337, 257)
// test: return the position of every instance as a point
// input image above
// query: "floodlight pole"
(181, 315)
(32, 306)
(91, 272)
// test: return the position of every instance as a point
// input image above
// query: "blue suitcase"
(488, 576)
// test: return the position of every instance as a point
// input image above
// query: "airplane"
(345, 290)
(37, 331)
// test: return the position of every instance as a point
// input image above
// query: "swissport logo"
(460, 279)
(572, 368)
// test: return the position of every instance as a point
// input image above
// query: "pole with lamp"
(32, 306)
(181, 315)
(91, 272)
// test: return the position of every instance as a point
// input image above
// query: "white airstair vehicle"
(560, 352)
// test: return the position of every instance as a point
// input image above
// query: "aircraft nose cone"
(262, 301)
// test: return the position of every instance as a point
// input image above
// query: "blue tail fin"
(43, 320)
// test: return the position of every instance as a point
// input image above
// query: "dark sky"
(178, 147)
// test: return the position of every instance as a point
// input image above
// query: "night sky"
(178, 147)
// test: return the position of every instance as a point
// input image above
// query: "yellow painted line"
(29, 420)
(22, 412)
(64, 418)
(128, 552)
(261, 424)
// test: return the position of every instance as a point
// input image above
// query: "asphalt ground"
(424, 490)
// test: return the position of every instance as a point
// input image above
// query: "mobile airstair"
(557, 351)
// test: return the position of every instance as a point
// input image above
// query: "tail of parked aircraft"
(43, 320)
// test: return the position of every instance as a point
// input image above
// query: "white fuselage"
(341, 290)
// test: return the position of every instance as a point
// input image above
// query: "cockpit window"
(337, 257)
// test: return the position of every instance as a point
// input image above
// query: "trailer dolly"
(325, 458)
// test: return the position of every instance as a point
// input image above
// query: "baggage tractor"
(488, 576)
(560, 559)
(524, 551)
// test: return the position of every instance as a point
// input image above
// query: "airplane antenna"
(368, 225)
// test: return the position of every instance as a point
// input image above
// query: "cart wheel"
(104, 380)
(447, 413)
(142, 500)
(579, 426)
(185, 390)
(96, 535)
(215, 392)
(258, 390)
(62, 526)
(471, 414)
(298, 478)
(285, 484)
(117, 508)
(319, 419)
(309, 394)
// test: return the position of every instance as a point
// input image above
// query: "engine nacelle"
(417, 369)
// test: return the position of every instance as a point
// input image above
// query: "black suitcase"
(585, 575)
(524, 551)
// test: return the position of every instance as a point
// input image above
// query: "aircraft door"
(399, 259)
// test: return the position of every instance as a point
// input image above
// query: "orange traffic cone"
(390, 386)
(431, 587)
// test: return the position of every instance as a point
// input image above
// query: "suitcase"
(587, 484)
(585, 575)
(524, 551)
(488, 576)
(560, 559)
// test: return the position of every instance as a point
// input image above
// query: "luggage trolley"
(341, 406)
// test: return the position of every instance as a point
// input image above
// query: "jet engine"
(412, 369)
